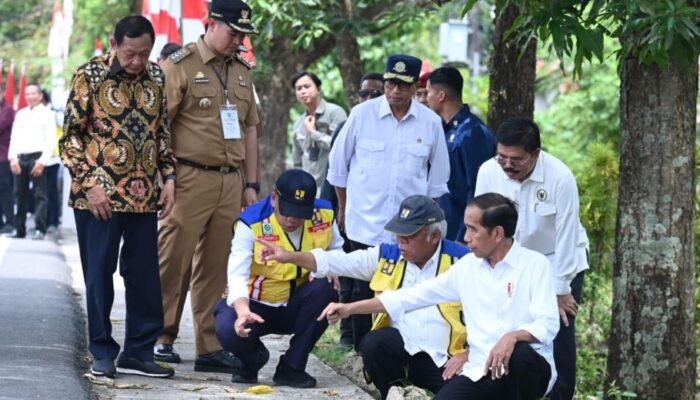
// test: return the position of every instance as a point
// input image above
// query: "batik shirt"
(116, 135)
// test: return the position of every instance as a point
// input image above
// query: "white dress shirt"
(381, 161)
(421, 330)
(517, 293)
(242, 255)
(33, 131)
(548, 214)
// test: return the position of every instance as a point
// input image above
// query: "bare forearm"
(241, 306)
(370, 306)
(303, 259)
(341, 193)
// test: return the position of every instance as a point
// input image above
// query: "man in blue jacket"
(469, 143)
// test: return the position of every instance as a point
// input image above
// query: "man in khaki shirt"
(213, 120)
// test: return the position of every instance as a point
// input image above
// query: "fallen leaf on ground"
(103, 381)
(259, 389)
(330, 392)
(199, 378)
(192, 388)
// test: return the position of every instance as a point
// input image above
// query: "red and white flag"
(22, 102)
(10, 86)
(169, 16)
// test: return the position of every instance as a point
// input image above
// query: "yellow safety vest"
(275, 282)
(389, 276)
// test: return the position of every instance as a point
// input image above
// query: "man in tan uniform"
(213, 120)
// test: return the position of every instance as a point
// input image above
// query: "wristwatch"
(253, 185)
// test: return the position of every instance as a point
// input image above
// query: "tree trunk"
(512, 82)
(652, 344)
(350, 65)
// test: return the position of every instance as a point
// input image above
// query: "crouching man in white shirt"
(425, 347)
(509, 304)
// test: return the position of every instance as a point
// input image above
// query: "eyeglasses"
(502, 161)
(403, 86)
(372, 94)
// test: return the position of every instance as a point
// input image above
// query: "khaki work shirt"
(195, 95)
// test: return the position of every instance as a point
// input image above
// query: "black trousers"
(26, 162)
(388, 363)
(298, 317)
(53, 203)
(361, 323)
(138, 265)
(7, 206)
(565, 350)
(527, 379)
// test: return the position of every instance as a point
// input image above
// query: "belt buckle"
(225, 169)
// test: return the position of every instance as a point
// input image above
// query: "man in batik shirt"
(115, 142)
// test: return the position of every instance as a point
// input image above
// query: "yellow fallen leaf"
(199, 378)
(330, 392)
(259, 389)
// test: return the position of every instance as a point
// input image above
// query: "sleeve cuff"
(342, 180)
(437, 191)
(539, 332)
(392, 304)
(236, 292)
(321, 263)
(562, 287)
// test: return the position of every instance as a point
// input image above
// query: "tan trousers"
(194, 243)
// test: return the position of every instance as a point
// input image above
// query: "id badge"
(229, 121)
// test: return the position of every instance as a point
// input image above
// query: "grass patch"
(326, 349)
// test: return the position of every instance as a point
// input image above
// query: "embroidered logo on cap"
(299, 194)
(405, 213)
(400, 67)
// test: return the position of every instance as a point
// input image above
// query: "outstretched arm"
(337, 311)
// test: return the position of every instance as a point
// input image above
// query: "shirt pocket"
(370, 154)
(204, 99)
(543, 228)
(417, 157)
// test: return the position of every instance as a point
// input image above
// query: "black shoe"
(6, 229)
(18, 234)
(104, 367)
(219, 361)
(131, 366)
(38, 235)
(164, 352)
(249, 373)
(286, 376)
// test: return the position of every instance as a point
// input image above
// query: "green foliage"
(326, 349)
(94, 19)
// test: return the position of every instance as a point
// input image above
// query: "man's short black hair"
(132, 27)
(169, 49)
(496, 210)
(450, 79)
(520, 132)
(373, 76)
(301, 74)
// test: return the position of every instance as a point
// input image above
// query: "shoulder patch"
(242, 60)
(180, 55)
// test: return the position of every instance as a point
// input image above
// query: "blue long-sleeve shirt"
(470, 143)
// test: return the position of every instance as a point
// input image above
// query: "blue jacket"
(470, 143)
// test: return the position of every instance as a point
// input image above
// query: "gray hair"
(440, 226)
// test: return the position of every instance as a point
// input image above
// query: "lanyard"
(224, 81)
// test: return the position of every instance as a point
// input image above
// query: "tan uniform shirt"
(195, 96)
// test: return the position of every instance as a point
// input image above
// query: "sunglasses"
(364, 93)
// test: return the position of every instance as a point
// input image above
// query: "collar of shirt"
(385, 109)
(205, 52)
(511, 260)
(321, 107)
(431, 263)
(462, 115)
(115, 67)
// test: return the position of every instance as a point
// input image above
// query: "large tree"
(652, 350)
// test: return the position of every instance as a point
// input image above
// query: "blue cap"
(402, 67)
(415, 212)
(296, 193)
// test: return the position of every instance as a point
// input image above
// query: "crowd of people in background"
(465, 244)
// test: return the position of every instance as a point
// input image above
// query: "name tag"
(229, 121)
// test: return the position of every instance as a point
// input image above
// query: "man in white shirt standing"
(545, 190)
(31, 145)
(390, 148)
(427, 346)
(508, 303)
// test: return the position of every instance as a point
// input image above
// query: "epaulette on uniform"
(242, 60)
(180, 55)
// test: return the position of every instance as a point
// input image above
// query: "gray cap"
(415, 212)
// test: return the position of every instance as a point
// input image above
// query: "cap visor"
(396, 226)
(289, 209)
(243, 28)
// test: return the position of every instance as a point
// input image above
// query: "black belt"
(223, 169)
(29, 155)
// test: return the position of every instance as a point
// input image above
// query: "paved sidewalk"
(42, 339)
(188, 384)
